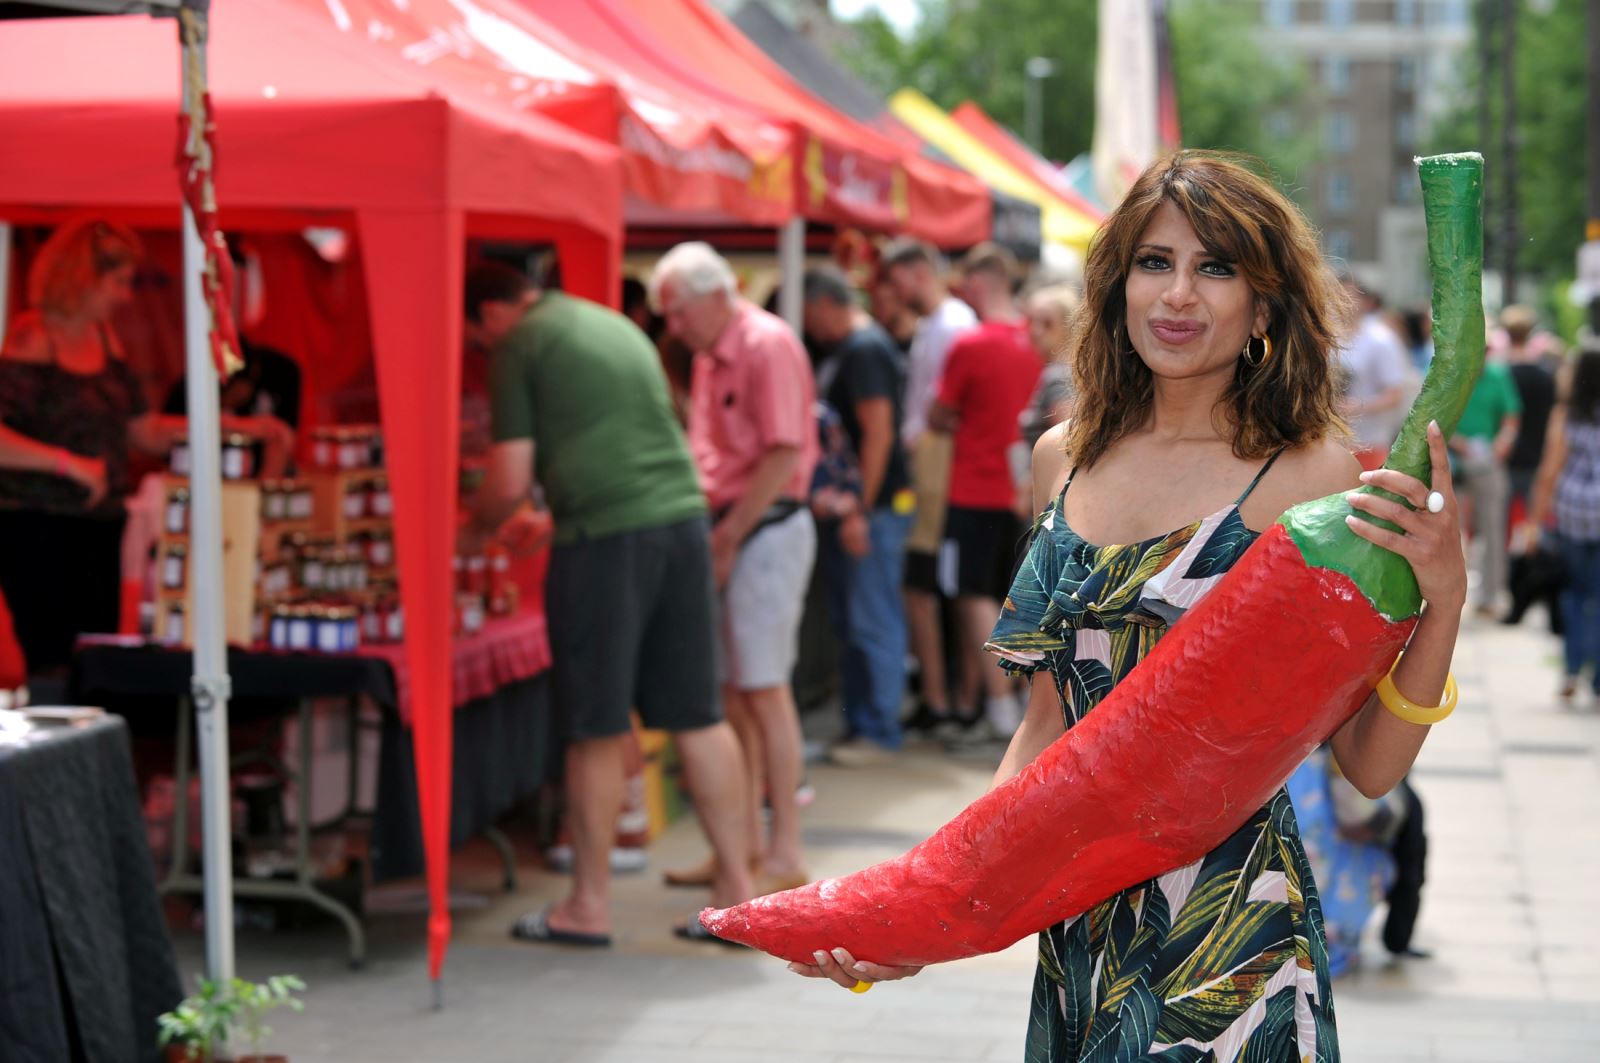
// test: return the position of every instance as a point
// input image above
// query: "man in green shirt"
(580, 404)
(1482, 443)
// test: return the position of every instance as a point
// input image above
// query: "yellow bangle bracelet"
(1410, 711)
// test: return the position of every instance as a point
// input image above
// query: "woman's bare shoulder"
(26, 340)
(1050, 459)
(1313, 470)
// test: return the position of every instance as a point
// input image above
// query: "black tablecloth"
(85, 961)
(505, 745)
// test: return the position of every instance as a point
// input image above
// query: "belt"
(777, 513)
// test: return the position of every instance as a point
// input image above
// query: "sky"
(901, 14)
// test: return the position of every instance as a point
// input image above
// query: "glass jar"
(176, 521)
(313, 569)
(172, 628)
(301, 503)
(238, 456)
(382, 501)
(469, 613)
(178, 462)
(274, 502)
(355, 501)
(477, 575)
(352, 449)
(175, 567)
(301, 634)
(325, 629)
(380, 548)
(394, 620)
(324, 453)
(372, 621)
(278, 628)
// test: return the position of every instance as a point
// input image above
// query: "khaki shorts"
(930, 479)
(764, 602)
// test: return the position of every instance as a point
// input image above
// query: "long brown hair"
(1240, 218)
(74, 259)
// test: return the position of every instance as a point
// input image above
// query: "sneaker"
(956, 727)
(860, 753)
(924, 721)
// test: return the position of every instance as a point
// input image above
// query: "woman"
(1184, 410)
(71, 412)
(1050, 313)
(1569, 482)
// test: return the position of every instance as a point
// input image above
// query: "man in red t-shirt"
(989, 378)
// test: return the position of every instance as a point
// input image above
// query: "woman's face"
(1047, 327)
(1189, 313)
(111, 291)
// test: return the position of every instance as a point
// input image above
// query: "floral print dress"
(1221, 961)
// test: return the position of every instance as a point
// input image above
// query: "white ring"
(1435, 502)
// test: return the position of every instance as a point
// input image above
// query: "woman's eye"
(1151, 262)
(1218, 269)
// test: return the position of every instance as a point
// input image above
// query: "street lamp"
(1036, 70)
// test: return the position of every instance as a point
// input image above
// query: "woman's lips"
(1176, 332)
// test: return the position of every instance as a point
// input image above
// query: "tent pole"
(5, 275)
(791, 271)
(210, 684)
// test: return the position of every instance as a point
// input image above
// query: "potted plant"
(198, 1029)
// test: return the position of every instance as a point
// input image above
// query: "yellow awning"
(1062, 223)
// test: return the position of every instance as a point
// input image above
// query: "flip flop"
(695, 930)
(535, 927)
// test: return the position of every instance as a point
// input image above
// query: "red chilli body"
(1173, 761)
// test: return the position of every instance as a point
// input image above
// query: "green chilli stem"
(1452, 201)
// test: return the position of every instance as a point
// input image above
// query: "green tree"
(976, 50)
(1550, 102)
(1234, 96)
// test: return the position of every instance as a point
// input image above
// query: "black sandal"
(695, 930)
(535, 927)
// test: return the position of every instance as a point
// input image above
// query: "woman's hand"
(1431, 541)
(87, 473)
(845, 970)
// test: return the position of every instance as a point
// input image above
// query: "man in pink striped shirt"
(753, 435)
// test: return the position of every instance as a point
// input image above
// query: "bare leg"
(774, 710)
(743, 720)
(594, 800)
(922, 618)
(714, 765)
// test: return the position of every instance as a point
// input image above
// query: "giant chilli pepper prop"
(1278, 655)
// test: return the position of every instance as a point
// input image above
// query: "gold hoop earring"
(1259, 360)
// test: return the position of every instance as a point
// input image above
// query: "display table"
(502, 752)
(85, 961)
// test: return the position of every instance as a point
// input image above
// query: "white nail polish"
(822, 957)
(838, 955)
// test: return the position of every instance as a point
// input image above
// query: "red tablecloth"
(508, 649)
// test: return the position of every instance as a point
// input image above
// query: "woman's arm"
(1376, 748)
(28, 343)
(1041, 725)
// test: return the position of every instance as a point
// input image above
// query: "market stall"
(317, 129)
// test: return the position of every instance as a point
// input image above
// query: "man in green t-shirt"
(1482, 443)
(580, 404)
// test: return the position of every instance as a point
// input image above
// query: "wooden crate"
(241, 531)
(328, 493)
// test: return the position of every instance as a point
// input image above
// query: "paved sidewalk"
(1512, 787)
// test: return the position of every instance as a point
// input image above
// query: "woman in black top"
(71, 412)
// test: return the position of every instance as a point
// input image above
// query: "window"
(1339, 133)
(1336, 75)
(1405, 130)
(1337, 244)
(1280, 13)
(1405, 12)
(1405, 74)
(1339, 193)
(1338, 12)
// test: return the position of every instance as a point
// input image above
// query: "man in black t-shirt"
(864, 550)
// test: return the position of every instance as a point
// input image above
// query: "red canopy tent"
(846, 173)
(682, 152)
(317, 128)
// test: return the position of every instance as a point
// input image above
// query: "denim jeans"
(864, 602)
(1580, 603)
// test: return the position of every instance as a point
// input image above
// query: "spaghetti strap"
(1275, 456)
(1061, 499)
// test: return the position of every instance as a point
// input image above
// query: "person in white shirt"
(1379, 379)
(915, 271)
